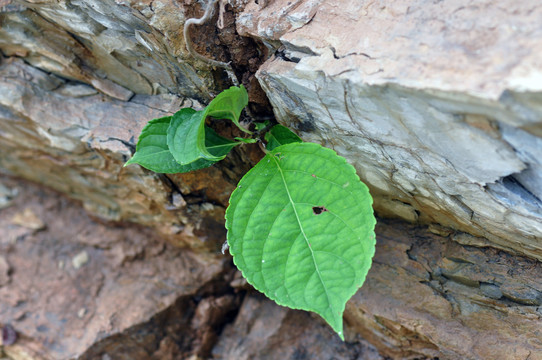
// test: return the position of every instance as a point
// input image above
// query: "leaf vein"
(302, 230)
(322, 178)
(338, 217)
(250, 217)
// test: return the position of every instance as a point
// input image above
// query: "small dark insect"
(9, 335)
(317, 210)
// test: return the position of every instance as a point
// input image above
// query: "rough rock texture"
(76, 288)
(437, 104)
(93, 290)
(427, 296)
(118, 49)
(76, 140)
(263, 330)
(92, 77)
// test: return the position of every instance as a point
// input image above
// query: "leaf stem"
(303, 231)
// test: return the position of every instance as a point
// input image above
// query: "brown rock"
(429, 297)
(69, 311)
(263, 330)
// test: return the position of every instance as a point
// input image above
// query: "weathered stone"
(118, 307)
(437, 106)
(78, 145)
(263, 330)
(425, 296)
(437, 115)
(106, 54)
(429, 297)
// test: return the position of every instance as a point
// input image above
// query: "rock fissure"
(444, 128)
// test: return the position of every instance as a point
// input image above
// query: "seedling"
(300, 223)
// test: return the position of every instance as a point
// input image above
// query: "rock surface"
(263, 330)
(140, 297)
(427, 102)
(427, 296)
(78, 145)
(63, 307)
(135, 296)
(436, 104)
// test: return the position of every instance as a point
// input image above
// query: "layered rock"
(75, 140)
(78, 289)
(73, 288)
(428, 296)
(90, 80)
(436, 105)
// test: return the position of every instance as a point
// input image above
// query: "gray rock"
(437, 105)
(443, 128)
(78, 145)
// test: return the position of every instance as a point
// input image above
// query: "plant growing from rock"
(300, 223)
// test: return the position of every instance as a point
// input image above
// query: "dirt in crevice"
(245, 54)
(190, 328)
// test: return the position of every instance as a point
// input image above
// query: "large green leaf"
(228, 105)
(152, 151)
(301, 229)
(280, 135)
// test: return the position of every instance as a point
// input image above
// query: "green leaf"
(186, 137)
(186, 134)
(280, 135)
(301, 229)
(228, 105)
(153, 153)
(217, 145)
(261, 125)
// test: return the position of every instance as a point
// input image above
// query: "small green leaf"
(301, 229)
(186, 134)
(153, 153)
(261, 125)
(216, 144)
(228, 105)
(186, 137)
(280, 135)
